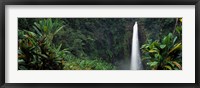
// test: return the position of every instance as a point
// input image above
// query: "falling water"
(135, 53)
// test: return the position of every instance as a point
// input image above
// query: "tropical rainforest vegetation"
(98, 43)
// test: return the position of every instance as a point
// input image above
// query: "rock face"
(142, 33)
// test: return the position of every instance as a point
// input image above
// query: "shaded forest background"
(98, 43)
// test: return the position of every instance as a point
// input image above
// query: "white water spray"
(136, 63)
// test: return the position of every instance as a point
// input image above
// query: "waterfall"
(136, 63)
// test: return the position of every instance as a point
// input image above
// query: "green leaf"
(169, 62)
(168, 67)
(58, 29)
(143, 46)
(152, 51)
(157, 56)
(170, 35)
(31, 33)
(178, 29)
(175, 39)
(45, 29)
(22, 68)
(37, 31)
(20, 61)
(58, 49)
(37, 25)
(175, 48)
(152, 64)
(162, 46)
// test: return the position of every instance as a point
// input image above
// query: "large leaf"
(153, 51)
(162, 46)
(157, 56)
(165, 40)
(153, 64)
(175, 48)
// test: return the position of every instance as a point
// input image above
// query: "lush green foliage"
(96, 43)
(73, 63)
(36, 50)
(165, 53)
